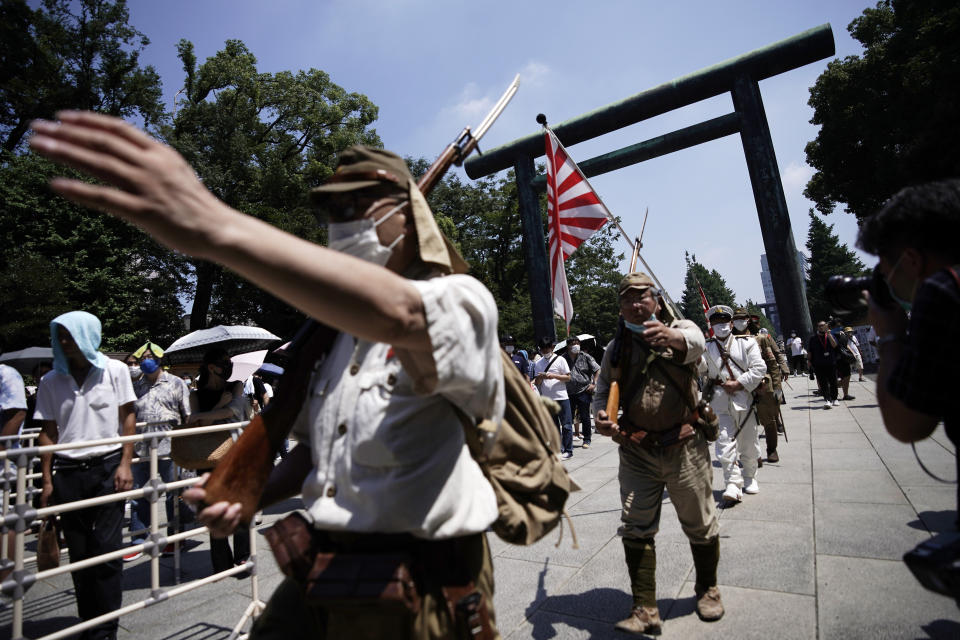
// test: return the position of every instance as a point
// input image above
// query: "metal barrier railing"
(16, 464)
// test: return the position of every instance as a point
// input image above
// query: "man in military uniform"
(734, 362)
(768, 398)
(381, 463)
(653, 361)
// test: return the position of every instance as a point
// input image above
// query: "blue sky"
(435, 67)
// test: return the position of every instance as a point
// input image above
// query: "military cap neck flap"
(362, 167)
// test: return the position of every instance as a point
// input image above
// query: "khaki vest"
(649, 400)
(768, 351)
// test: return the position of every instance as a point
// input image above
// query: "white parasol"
(233, 339)
(26, 359)
(560, 346)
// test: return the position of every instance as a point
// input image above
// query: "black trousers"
(798, 363)
(581, 404)
(220, 555)
(827, 380)
(91, 532)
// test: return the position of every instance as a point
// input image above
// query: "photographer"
(915, 237)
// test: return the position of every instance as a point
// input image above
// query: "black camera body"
(845, 293)
(936, 564)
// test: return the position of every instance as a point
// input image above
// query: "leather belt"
(63, 463)
(653, 440)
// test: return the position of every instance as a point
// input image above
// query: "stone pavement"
(816, 554)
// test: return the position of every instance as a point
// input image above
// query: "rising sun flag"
(574, 213)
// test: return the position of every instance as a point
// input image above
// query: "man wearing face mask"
(518, 358)
(551, 373)
(822, 354)
(583, 381)
(768, 398)
(659, 447)
(734, 361)
(382, 463)
(915, 237)
(162, 400)
(795, 347)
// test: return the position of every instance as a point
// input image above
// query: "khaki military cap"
(741, 313)
(635, 280)
(360, 167)
(719, 310)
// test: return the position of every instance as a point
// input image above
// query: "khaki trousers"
(686, 473)
(288, 615)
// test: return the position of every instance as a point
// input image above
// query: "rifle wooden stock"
(242, 474)
(613, 402)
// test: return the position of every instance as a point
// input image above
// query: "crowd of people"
(381, 461)
(83, 395)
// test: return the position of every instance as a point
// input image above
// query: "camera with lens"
(936, 564)
(845, 293)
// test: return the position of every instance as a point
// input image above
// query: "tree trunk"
(206, 275)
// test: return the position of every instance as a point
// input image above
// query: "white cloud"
(795, 177)
(534, 74)
(470, 105)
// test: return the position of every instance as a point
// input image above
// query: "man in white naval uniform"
(736, 363)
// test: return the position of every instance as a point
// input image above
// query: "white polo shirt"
(88, 412)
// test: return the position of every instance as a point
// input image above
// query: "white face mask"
(740, 325)
(358, 238)
(508, 348)
(721, 330)
(575, 350)
(135, 373)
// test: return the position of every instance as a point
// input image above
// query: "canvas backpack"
(520, 461)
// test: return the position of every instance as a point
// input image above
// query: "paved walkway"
(816, 554)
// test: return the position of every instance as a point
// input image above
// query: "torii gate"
(740, 76)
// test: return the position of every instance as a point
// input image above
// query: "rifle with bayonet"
(243, 472)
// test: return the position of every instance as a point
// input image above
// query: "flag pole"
(634, 244)
(542, 119)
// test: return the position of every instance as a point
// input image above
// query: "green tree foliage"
(714, 287)
(260, 142)
(888, 118)
(58, 257)
(593, 275)
(753, 308)
(483, 220)
(827, 256)
(79, 54)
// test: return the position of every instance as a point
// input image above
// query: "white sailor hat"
(719, 310)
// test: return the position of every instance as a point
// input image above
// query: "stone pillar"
(535, 244)
(789, 286)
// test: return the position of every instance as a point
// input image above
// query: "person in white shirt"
(87, 397)
(734, 361)
(382, 462)
(854, 345)
(13, 403)
(550, 375)
(797, 360)
(13, 411)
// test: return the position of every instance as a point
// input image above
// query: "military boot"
(770, 433)
(641, 556)
(705, 560)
